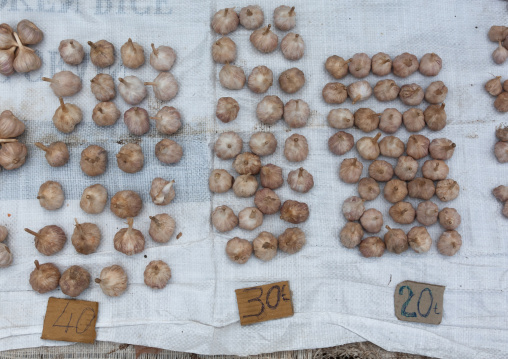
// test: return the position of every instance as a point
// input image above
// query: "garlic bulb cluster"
(45, 277)
(270, 109)
(94, 198)
(137, 121)
(168, 151)
(157, 274)
(291, 80)
(49, 240)
(51, 195)
(224, 219)
(112, 280)
(225, 21)
(126, 204)
(105, 114)
(162, 191)
(165, 86)
(292, 240)
(264, 39)
(260, 79)
(57, 153)
(224, 50)
(12, 154)
(265, 246)
(71, 52)
(251, 17)
(232, 77)
(132, 89)
(103, 87)
(162, 227)
(130, 158)
(162, 58)
(133, 55)
(129, 241)
(64, 83)
(74, 281)
(227, 109)
(284, 17)
(292, 46)
(239, 250)
(86, 237)
(167, 120)
(15, 56)
(102, 53)
(67, 116)
(94, 160)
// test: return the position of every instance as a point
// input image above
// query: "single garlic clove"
(129, 241)
(350, 170)
(292, 46)
(260, 79)
(162, 191)
(126, 204)
(74, 281)
(270, 109)
(265, 246)
(441, 149)
(405, 65)
(227, 109)
(500, 192)
(402, 213)
(366, 119)
(44, 278)
(228, 145)
(411, 94)
(360, 65)
(372, 220)
(64, 83)
(250, 218)
(381, 171)
(426, 213)
(292, 80)
(449, 243)
(225, 21)
(351, 234)
(368, 147)
(435, 170)
(300, 180)
(251, 17)
(263, 143)
(162, 227)
(102, 53)
(419, 239)
(381, 64)
(220, 181)
(436, 92)
(51, 195)
(132, 89)
(94, 160)
(270, 176)
(239, 250)
(396, 240)
(448, 190)
(284, 17)
(130, 158)
(49, 240)
(395, 190)
(57, 153)
(264, 39)
(340, 118)
(165, 86)
(26, 59)
(94, 198)
(494, 86)
(340, 143)
(29, 33)
(5, 256)
(137, 121)
(224, 219)
(10, 125)
(12, 155)
(449, 218)
(6, 37)
(157, 274)
(71, 52)
(247, 163)
(431, 64)
(162, 58)
(414, 120)
(391, 146)
(294, 212)
(168, 120)
(390, 120)
(435, 117)
(417, 146)
(86, 237)
(359, 91)
(3, 233)
(334, 92)
(337, 66)
(296, 148)
(353, 208)
(422, 188)
(112, 280)
(267, 201)
(501, 102)
(292, 240)
(406, 168)
(224, 50)
(232, 77)
(103, 87)
(296, 113)
(7, 61)
(368, 189)
(386, 90)
(168, 151)
(372, 247)
(105, 114)
(133, 55)
(67, 116)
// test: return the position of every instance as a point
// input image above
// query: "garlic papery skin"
(7, 61)
(74, 281)
(44, 278)
(232, 77)
(292, 80)
(137, 121)
(86, 237)
(417, 146)
(112, 280)
(422, 188)
(247, 163)
(49, 240)
(296, 148)
(449, 243)
(6, 37)
(402, 213)
(5, 256)
(337, 66)
(162, 191)
(368, 189)
(129, 241)
(441, 149)
(360, 64)
(57, 153)
(448, 189)
(294, 212)
(224, 219)
(105, 114)
(64, 83)
(296, 113)
(386, 90)
(239, 250)
(250, 218)
(351, 234)
(270, 109)
(264, 39)
(245, 186)
(12, 155)
(405, 64)
(431, 64)
(10, 125)
(391, 146)
(51, 195)
(366, 119)
(3, 233)
(165, 86)
(130, 158)
(260, 79)
(126, 204)
(26, 59)
(67, 116)
(132, 89)
(220, 181)
(395, 190)
(29, 33)
(340, 118)
(103, 87)
(353, 208)
(292, 46)
(71, 52)
(292, 240)
(263, 143)
(368, 147)
(411, 94)
(94, 160)
(168, 151)
(157, 274)
(300, 180)
(133, 55)
(419, 239)
(102, 53)
(270, 176)
(372, 220)
(435, 117)
(395, 240)
(372, 247)
(162, 227)
(334, 92)
(228, 145)
(340, 143)
(267, 201)
(224, 50)
(265, 246)
(162, 58)
(94, 198)
(227, 109)
(225, 21)
(350, 170)
(167, 120)
(381, 64)
(284, 17)
(359, 91)
(390, 120)
(251, 17)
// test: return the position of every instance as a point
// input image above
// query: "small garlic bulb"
(395, 190)
(113, 280)
(381, 64)
(435, 170)
(49, 240)
(130, 158)
(264, 39)
(29, 33)
(103, 87)
(292, 240)
(359, 91)
(350, 170)
(132, 89)
(94, 198)
(102, 53)
(292, 46)
(165, 86)
(250, 218)
(391, 146)
(449, 243)
(64, 83)
(167, 120)
(232, 77)
(270, 176)
(247, 163)
(294, 212)
(334, 92)
(284, 17)
(351, 235)
(368, 189)
(220, 181)
(239, 250)
(67, 116)
(501, 102)
(10, 125)
(71, 52)
(267, 201)
(3, 233)
(225, 21)
(6, 37)
(414, 120)
(224, 219)
(447, 190)
(12, 155)
(360, 64)
(405, 64)
(26, 59)
(426, 213)
(45, 277)
(7, 61)
(292, 80)
(449, 218)
(265, 246)
(126, 204)
(417, 146)
(105, 114)
(162, 227)
(51, 195)
(422, 188)
(396, 240)
(337, 66)
(390, 120)
(431, 64)
(497, 33)
(296, 148)
(501, 133)
(162, 191)
(228, 145)
(436, 92)
(57, 153)
(366, 119)
(270, 109)
(5, 256)
(94, 160)
(353, 208)
(74, 281)
(157, 274)
(168, 151)
(402, 213)
(162, 58)
(435, 117)
(441, 149)
(224, 50)
(300, 180)
(368, 147)
(129, 241)
(296, 113)
(86, 237)
(227, 109)
(372, 220)
(381, 171)
(260, 79)
(133, 55)
(263, 143)
(411, 94)
(500, 151)
(251, 17)
(500, 192)
(340, 118)
(419, 239)
(386, 90)
(340, 143)
(494, 86)
(372, 247)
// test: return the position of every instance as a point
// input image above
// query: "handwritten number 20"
(410, 296)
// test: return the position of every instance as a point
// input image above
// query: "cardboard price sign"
(70, 320)
(266, 302)
(419, 302)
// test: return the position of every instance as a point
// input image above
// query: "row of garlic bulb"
(499, 90)
(15, 55)
(12, 153)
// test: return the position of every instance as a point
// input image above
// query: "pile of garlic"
(12, 153)
(499, 90)
(499, 34)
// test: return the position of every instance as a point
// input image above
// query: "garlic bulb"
(267, 201)
(5, 256)
(168, 151)
(102, 53)
(422, 188)
(292, 80)
(372, 220)
(263, 143)
(405, 64)
(414, 119)
(12, 155)
(334, 92)
(29, 33)
(270, 176)
(3, 233)
(162, 58)
(494, 86)
(264, 39)
(26, 59)
(340, 118)
(126, 204)
(7, 61)
(500, 192)
(49, 240)
(251, 17)
(137, 121)
(435, 170)
(94, 198)
(112, 280)
(340, 143)
(86, 237)
(227, 109)
(441, 149)
(360, 64)
(74, 281)
(386, 90)
(250, 218)
(239, 250)
(57, 153)
(381, 64)
(447, 190)
(130, 158)
(162, 191)
(167, 120)
(265, 246)
(260, 79)
(132, 89)
(162, 227)
(157, 274)
(417, 146)
(366, 119)
(426, 213)
(359, 91)
(296, 148)
(232, 77)
(51, 195)
(402, 212)
(391, 146)
(500, 54)
(396, 240)
(411, 94)
(368, 147)
(165, 86)
(497, 33)
(381, 171)
(390, 120)
(71, 52)
(292, 240)
(129, 241)
(296, 113)
(435, 117)
(436, 92)
(284, 17)
(395, 190)
(337, 66)
(44, 278)
(449, 218)
(501, 133)
(6, 37)
(105, 114)
(368, 189)
(247, 163)
(270, 109)
(292, 46)
(225, 21)
(133, 55)
(350, 170)
(245, 186)
(10, 125)
(372, 247)
(64, 83)
(94, 160)
(224, 219)
(300, 180)
(103, 87)
(419, 239)
(224, 50)
(67, 116)
(449, 243)
(501, 102)
(353, 208)
(430, 64)
(228, 145)
(351, 235)
(294, 212)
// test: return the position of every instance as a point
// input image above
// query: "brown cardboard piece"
(265, 302)
(419, 302)
(70, 320)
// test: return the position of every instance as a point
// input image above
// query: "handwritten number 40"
(68, 325)
(410, 296)
(271, 302)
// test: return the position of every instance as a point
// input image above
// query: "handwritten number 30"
(269, 303)
(410, 296)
